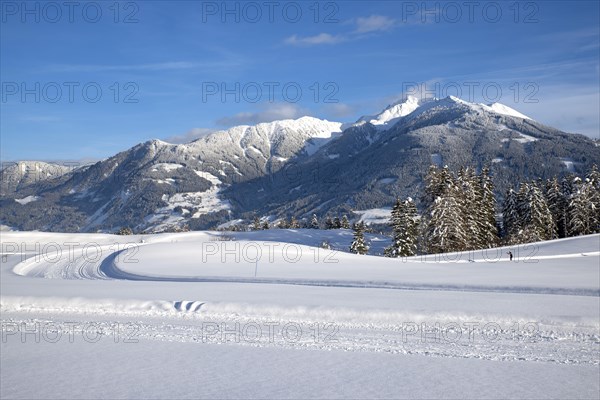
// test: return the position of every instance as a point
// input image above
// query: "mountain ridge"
(296, 167)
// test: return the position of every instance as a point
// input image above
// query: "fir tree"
(345, 224)
(488, 229)
(536, 219)
(314, 222)
(405, 228)
(256, 224)
(469, 199)
(557, 204)
(265, 225)
(125, 231)
(337, 224)
(329, 223)
(593, 176)
(294, 224)
(358, 245)
(582, 210)
(511, 220)
(445, 227)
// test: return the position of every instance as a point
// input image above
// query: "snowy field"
(270, 314)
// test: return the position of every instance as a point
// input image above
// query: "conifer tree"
(593, 176)
(294, 224)
(445, 227)
(283, 224)
(469, 199)
(557, 204)
(405, 228)
(265, 225)
(345, 224)
(359, 245)
(511, 220)
(256, 224)
(337, 224)
(314, 222)
(536, 219)
(582, 210)
(488, 229)
(329, 223)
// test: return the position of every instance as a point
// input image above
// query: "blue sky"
(96, 79)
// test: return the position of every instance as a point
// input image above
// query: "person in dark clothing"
(510, 255)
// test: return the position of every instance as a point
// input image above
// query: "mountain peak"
(392, 113)
(506, 110)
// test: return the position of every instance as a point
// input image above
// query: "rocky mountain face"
(296, 167)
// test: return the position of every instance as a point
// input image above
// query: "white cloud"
(374, 23)
(189, 136)
(321, 38)
(363, 25)
(273, 112)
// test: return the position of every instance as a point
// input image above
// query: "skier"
(510, 255)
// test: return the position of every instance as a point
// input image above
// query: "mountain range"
(289, 167)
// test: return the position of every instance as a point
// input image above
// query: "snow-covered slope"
(415, 106)
(392, 113)
(506, 110)
(149, 309)
(281, 139)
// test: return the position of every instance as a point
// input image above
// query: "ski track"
(556, 342)
(107, 269)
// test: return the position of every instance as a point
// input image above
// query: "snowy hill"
(150, 307)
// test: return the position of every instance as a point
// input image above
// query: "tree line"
(459, 212)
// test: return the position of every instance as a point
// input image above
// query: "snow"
(392, 114)
(166, 167)
(497, 160)
(313, 132)
(375, 215)
(387, 181)
(412, 107)
(505, 110)
(197, 203)
(525, 138)
(26, 200)
(229, 224)
(569, 164)
(189, 315)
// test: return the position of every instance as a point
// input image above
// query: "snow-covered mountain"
(158, 185)
(392, 113)
(296, 167)
(18, 175)
(413, 106)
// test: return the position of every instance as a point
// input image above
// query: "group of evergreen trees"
(294, 223)
(553, 209)
(337, 223)
(460, 212)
